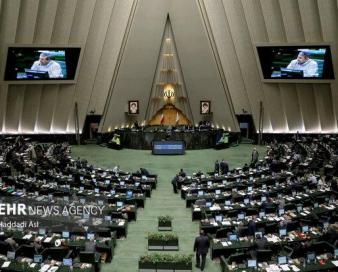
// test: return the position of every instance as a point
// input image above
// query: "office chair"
(293, 225)
(56, 253)
(270, 208)
(130, 201)
(294, 250)
(289, 206)
(117, 215)
(320, 199)
(207, 215)
(271, 228)
(103, 232)
(89, 257)
(244, 231)
(4, 247)
(238, 198)
(200, 202)
(321, 247)
(26, 251)
(264, 255)
(232, 213)
(237, 258)
(223, 232)
(251, 212)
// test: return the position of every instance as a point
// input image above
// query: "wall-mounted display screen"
(296, 62)
(41, 63)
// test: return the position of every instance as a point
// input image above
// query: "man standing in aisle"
(254, 157)
(201, 248)
(174, 182)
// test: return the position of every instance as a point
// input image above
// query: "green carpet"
(163, 201)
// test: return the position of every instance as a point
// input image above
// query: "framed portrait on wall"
(133, 107)
(205, 106)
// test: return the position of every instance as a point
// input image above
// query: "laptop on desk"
(290, 73)
(35, 74)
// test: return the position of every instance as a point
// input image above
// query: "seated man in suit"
(12, 244)
(144, 172)
(182, 173)
(90, 245)
(224, 167)
(216, 169)
(261, 242)
(252, 226)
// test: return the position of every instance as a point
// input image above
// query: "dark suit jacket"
(224, 167)
(261, 243)
(216, 167)
(252, 227)
(254, 156)
(202, 244)
(144, 172)
(90, 246)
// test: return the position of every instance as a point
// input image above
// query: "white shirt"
(309, 68)
(53, 68)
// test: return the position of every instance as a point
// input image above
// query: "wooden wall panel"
(78, 35)
(227, 53)
(245, 54)
(46, 21)
(14, 106)
(274, 105)
(289, 98)
(309, 15)
(328, 14)
(295, 33)
(325, 106)
(115, 32)
(26, 97)
(137, 67)
(309, 108)
(91, 58)
(30, 109)
(9, 13)
(47, 104)
(63, 22)
(63, 105)
(292, 21)
(42, 35)
(27, 21)
(203, 79)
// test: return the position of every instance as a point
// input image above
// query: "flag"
(162, 119)
(177, 118)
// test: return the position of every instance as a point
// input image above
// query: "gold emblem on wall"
(169, 93)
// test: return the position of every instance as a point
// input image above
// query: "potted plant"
(162, 241)
(147, 263)
(164, 223)
(170, 241)
(155, 241)
(183, 262)
(165, 262)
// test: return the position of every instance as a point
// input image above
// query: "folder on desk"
(295, 268)
(27, 237)
(335, 263)
(6, 264)
(48, 239)
(285, 267)
(224, 243)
